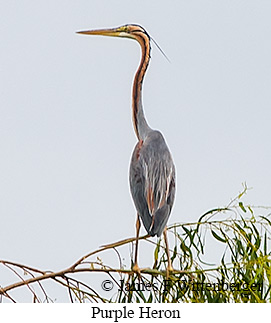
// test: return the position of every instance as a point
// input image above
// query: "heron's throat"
(140, 124)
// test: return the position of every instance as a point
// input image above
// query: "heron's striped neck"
(140, 124)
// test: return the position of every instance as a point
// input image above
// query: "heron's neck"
(140, 124)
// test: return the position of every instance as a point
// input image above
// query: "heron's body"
(152, 182)
(152, 172)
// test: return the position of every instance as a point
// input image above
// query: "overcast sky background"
(66, 133)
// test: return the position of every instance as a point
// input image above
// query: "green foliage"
(242, 274)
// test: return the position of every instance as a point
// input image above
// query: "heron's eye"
(125, 29)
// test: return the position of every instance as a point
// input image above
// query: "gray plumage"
(152, 182)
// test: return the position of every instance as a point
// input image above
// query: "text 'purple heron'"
(152, 171)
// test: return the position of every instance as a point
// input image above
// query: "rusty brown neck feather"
(140, 123)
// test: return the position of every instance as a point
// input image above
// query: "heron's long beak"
(114, 32)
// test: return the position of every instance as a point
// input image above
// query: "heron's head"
(126, 31)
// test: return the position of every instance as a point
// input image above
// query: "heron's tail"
(159, 221)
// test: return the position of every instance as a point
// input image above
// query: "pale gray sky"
(66, 134)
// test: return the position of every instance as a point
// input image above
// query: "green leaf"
(156, 251)
(265, 218)
(218, 237)
(242, 207)
(217, 210)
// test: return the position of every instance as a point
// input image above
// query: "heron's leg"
(169, 266)
(135, 267)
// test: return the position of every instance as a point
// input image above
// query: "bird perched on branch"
(152, 171)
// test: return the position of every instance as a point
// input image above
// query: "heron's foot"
(136, 269)
(169, 271)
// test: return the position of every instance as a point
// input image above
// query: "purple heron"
(152, 171)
